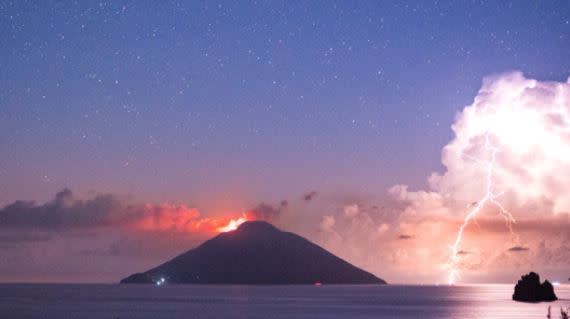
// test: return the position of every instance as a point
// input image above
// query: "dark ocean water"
(180, 301)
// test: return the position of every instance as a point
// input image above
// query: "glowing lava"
(489, 197)
(233, 224)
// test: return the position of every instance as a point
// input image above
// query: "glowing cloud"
(510, 154)
(528, 121)
(488, 198)
(233, 224)
(167, 217)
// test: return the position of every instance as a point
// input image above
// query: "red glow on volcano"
(184, 219)
(233, 224)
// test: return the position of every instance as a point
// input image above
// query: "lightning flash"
(489, 198)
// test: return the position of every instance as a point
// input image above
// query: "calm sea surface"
(142, 301)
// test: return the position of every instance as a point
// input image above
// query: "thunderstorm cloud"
(528, 121)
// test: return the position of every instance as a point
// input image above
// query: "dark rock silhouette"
(257, 253)
(529, 289)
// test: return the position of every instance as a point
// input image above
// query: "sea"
(36, 301)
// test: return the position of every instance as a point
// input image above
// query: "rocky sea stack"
(256, 253)
(529, 289)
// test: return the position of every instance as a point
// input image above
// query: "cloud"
(351, 210)
(175, 218)
(66, 213)
(383, 228)
(267, 212)
(529, 122)
(327, 223)
(310, 195)
(63, 212)
(28, 221)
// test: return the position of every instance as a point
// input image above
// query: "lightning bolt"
(489, 198)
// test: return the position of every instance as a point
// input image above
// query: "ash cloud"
(310, 196)
(66, 213)
(63, 212)
(268, 212)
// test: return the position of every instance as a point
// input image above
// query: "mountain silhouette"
(256, 253)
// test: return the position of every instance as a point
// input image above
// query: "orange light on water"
(233, 224)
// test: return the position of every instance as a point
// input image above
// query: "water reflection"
(172, 301)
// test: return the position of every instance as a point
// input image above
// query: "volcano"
(256, 253)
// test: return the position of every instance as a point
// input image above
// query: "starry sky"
(221, 104)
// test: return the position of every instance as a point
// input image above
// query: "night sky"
(223, 105)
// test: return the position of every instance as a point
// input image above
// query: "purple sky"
(221, 106)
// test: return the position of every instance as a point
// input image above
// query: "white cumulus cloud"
(529, 122)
